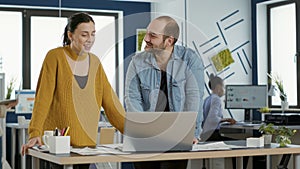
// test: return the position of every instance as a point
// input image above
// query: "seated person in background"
(213, 111)
(4, 107)
(11, 104)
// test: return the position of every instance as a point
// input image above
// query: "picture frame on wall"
(140, 44)
(221, 60)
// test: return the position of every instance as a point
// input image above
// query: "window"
(49, 31)
(282, 47)
(11, 47)
(46, 34)
(36, 31)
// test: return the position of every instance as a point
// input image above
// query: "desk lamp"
(272, 91)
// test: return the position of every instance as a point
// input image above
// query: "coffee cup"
(21, 120)
(45, 138)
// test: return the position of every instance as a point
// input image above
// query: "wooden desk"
(255, 126)
(70, 159)
(22, 139)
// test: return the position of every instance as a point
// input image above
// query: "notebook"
(159, 131)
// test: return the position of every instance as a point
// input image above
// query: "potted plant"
(283, 136)
(10, 88)
(282, 94)
(267, 131)
(264, 110)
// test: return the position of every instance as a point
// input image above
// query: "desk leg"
(118, 140)
(239, 162)
(269, 162)
(68, 166)
(22, 141)
(296, 160)
(13, 147)
(35, 162)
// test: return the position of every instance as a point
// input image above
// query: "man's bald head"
(171, 27)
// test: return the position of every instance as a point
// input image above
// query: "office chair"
(284, 161)
(107, 135)
(203, 164)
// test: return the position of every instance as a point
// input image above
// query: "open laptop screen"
(159, 131)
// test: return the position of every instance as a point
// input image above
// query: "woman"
(72, 88)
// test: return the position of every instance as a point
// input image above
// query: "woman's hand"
(33, 141)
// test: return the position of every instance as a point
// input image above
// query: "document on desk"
(220, 145)
(41, 148)
(248, 124)
(99, 150)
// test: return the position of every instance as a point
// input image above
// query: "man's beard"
(157, 50)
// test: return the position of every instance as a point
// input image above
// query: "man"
(165, 77)
(213, 111)
(5, 106)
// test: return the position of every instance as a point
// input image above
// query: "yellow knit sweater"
(60, 102)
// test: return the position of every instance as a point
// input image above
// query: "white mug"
(47, 134)
(21, 120)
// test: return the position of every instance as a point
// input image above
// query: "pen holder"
(59, 144)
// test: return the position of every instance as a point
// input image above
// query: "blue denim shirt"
(185, 83)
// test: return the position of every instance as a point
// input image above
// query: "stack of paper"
(214, 146)
(101, 149)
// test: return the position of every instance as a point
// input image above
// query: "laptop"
(159, 131)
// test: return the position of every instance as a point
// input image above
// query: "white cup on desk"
(45, 137)
(21, 120)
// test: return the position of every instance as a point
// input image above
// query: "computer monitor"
(25, 101)
(246, 97)
(2, 86)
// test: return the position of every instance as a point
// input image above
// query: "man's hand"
(231, 121)
(195, 140)
(12, 104)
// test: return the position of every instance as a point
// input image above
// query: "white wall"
(207, 19)
(173, 8)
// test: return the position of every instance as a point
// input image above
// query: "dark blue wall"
(254, 39)
(256, 114)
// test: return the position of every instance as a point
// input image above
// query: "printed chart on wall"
(26, 101)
